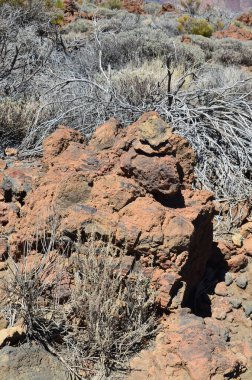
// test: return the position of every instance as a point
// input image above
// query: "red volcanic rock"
(234, 32)
(246, 18)
(167, 7)
(134, 6)
(70, 6)
(155, 174)
(246, 230)
(188, 347)
(237, 262)
(132, 183)
(247, 245)
(59, 141)
(135, 185)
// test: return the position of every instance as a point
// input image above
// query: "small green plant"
(59, 4)
(57, 19)
(198, 26)
(113, 4)
(238, 24)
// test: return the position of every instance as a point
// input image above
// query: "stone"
(241, 281)
(220, 307)
(221, 289)
(167, 7)
(57, 142)
(234, 32)
(105, 136)
(189, 348)
(134, 6)
(237, 239)
(30, 362)
(227, 249)
(247, 245)
(247, 307)
(3, 249)
(3, 164)
(235, 302)
(10, 152)
(3, 322)
(11, 335)
(158, 175)
(133, 185)
(228, 278)
(246, 230)
(237, 262)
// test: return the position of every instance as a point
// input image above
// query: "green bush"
(33, 3)
(113, 4)
(78, 26)
(198, 26)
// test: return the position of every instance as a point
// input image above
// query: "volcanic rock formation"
(135, 185)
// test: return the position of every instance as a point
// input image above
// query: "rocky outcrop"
(234, 32)
(134, 6)
(134, 184)
(189, 347)
(167, 8)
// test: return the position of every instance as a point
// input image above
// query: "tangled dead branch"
(216, 121)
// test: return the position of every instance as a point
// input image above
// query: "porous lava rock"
(134, 184)
(189, 348)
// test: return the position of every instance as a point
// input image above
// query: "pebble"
(235, 302)
(228, 278)
(221, 289)
(237, 239)
(248, 309)
(242, 281)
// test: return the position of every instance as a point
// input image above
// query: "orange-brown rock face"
(134, 6)
(235, 32)
(188, 348)
(133, 183)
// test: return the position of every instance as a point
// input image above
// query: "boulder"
(30, 362)
(134, 184)
(188, 347)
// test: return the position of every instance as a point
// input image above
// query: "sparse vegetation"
(120, 68)
(95, 324)
(198, 26)
(113, 4)
(79, 65)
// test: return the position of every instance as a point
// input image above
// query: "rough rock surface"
(189, 347)
(136, 184)
(235, 32)
(133, 184)
(30, 362)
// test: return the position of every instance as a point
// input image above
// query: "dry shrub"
(113, 4)
(15, 119)
(142, 84)
(94, 325)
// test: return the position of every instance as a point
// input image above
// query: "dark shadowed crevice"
(171, 201)
(8, 195)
